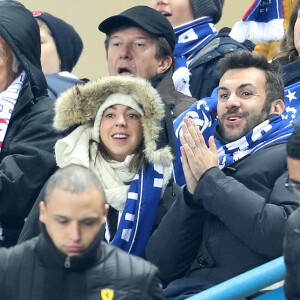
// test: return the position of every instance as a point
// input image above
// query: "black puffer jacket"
(291, 252)
(36, 270)
(241, 224)
(26, 158)
(204, 67)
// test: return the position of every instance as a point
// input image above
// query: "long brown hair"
(138, 161)
(288, 52)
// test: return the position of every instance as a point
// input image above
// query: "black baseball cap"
(144, 17)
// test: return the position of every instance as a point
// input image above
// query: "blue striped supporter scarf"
(190, 38)
(139, 213)
(203, 112)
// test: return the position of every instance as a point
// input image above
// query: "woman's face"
(121, 131)
(297, 33)
(177, 12)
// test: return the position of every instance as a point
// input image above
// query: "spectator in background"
(140, 43)
(27, 137)
(289, 53)
(61, 47)
(69, 260)
(291, 246)
(199, 46)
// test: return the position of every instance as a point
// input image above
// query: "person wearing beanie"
(61, 47)
(199, 45)
(122, 134)
(140, 42)
(291, 244)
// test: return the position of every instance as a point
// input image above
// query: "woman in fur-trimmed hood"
(120, 125)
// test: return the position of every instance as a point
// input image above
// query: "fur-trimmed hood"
(80, 104)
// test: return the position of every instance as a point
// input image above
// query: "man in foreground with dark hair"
(233, 210)
(291, 245)
(69, 260)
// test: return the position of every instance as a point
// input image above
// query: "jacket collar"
(51, 257)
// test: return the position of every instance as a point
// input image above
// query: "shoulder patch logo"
(107, 294)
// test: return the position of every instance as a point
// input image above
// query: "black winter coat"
(240, 225)
(36, 270)
(176, 101)
(291, 252)
(26, 158)
(204, 67)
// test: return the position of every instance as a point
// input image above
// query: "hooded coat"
(26, 158)
(79, 106)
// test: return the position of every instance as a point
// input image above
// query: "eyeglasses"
(292, 184)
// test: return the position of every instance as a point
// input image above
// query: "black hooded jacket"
(26, 158)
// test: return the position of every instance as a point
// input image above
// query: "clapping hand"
(196, 158)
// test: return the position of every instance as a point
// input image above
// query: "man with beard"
(233, 210)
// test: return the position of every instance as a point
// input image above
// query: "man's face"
(73, 220)
(294, 173)
(241, 102)
(7, 76)
(177, 12)
(50, 60)
(132, 52)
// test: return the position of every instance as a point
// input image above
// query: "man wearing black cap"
(291, 246)
(27, 137)
(140, 42)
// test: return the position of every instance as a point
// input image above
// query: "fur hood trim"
(79, 105)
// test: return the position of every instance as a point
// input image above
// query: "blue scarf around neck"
(191, 37)
(138, 217)
(203, 112)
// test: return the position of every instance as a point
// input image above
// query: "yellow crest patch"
(107, 294)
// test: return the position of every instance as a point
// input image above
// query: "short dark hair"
(75, 179)
(244, 59)
(163, 48)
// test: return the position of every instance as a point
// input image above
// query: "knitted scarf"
(276, 129)
(190, 38)
(140, 202)
(262, 22)
(8, 100)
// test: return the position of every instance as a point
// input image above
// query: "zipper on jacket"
(67, 262)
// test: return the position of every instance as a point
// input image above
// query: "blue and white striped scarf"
(203, 112)
(190, 38)
(139, 213)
